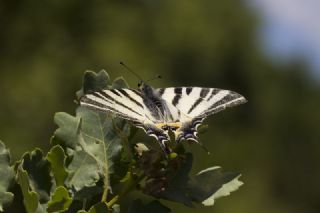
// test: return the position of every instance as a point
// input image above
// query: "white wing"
(127, 104)
(200, 102)
(191, 105)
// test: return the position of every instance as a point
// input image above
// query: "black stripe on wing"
(213, 93)
(177, 97)
(109, 98)
(203, 93)
(189, 90)
(124, 93)
(114, 91)
(87, 102)
(230, 100)
(195, 104)
(161, 91)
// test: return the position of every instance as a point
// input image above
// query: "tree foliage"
(93, 162)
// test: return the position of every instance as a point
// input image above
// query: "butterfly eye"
(139, 85)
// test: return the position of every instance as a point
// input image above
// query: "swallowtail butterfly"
(178, 109)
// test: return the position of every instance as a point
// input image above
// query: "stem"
(106, 178)
(126, 189)
(106, 184)
(104, 195)
(84, 203)
(132, 183)
(112, 201)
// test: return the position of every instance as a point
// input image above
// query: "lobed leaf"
(83, 171)
(38, 170)
(94, 81)
(30, 197)
(212, 183)
(68, 130)
(99, 208)
(119, 83)
(94, 140)
(60, 200)
(204, 187)
(57, 158)
(102, 135)
(7, 176)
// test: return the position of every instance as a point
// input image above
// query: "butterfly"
(158, 111)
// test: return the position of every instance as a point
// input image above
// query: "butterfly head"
(146, 89)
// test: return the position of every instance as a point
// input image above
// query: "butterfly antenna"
(130, 70)
(157, 77)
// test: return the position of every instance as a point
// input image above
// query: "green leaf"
(204, 187)
(60, 200)
(30, 197)
(57, 157)
(38, 170)
(94, 81)
(154, 206)
(68, 130)
(7, 175)
(76, 205)
(93, 140)
(83, 171)
(211, 183)
(99, 208)
(103, 135)
(119, 83)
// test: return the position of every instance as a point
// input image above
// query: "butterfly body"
(158, 111)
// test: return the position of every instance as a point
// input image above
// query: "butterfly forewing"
(128, 104)
(198, 101)
(118, 102)
(194, 104)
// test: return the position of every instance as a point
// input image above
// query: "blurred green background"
(273, 140)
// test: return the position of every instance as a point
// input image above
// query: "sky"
(291, 28)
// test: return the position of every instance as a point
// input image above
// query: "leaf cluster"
(93, 165)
